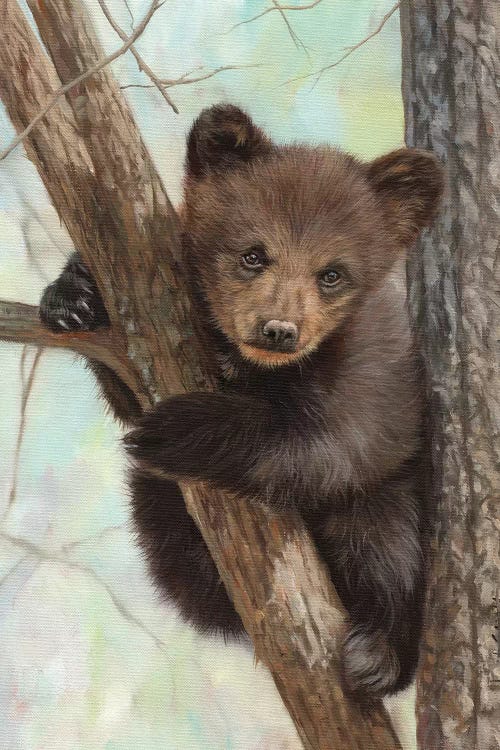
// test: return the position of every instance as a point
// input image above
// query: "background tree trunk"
(451, 91)
(104, 186)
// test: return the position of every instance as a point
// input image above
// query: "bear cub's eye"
(254, 258)
(329, 278)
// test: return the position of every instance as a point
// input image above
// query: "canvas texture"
(92, 658)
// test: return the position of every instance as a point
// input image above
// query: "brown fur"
(328, 421)
(317, 211)
(311, 209)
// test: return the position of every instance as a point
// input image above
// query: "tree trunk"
(451, 89)
(102, 182)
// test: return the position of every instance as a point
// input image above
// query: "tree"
(103, 184)
(450, 90)
(452, 105)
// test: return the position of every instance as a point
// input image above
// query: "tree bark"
(103, 184)
(451, 90)
(20, 323)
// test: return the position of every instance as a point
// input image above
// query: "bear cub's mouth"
(270, 357)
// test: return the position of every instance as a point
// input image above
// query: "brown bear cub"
(289, 249)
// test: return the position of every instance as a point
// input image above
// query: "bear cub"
(289, 250)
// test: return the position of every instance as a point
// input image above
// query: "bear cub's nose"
(280, 335)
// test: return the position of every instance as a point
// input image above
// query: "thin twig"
(299, 44)
(22, 363)
(130, 14)
(26, 392)
(183, 80)
(20, 324)
(42, 554)
(93, 538)
(12, 570)
(155, 5)
(270, 10)
(140, 61)
(350, 50)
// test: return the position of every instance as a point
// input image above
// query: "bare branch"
(155, 5)
(270, 10)
(350, 50)
(184, 79)
(132, 20)
(93, 538)
(13, 569)
(20, 324)
(22, 363)
(45, 555)
(26, 392)
(140, 61)
(295, 39)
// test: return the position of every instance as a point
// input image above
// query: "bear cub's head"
(285, 242)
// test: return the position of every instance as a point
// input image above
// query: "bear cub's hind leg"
(373, 548)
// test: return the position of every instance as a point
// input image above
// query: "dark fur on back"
(290, 251)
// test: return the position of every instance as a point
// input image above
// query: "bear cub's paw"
(370, 665)
(176, 436)
(73, 302)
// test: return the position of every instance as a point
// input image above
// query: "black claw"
(73, 302)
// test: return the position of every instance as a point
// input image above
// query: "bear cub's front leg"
(72, 302)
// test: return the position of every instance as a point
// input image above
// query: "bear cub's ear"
(221, 138)
(410, 182)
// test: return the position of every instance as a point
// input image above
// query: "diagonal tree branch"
(104, 185)
(27, 386)
(350, 50)
(295, 39)
(185, 79)
(99, 65)
(142, 64)
(276, 6)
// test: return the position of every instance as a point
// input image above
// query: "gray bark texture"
(451, 75)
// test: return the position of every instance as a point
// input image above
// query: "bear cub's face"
(285, 241)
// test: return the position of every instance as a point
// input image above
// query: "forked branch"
(99, 65)
(20, 324)
(140, 60)
(276, 6)
(349, 50)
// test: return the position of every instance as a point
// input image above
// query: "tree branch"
(42, 555)
(185, 79)
(295, 39)
(99, 65)
(27, 386)
(350, 50)
(140, 61)
(20, 324)
(276, 6)
(107, 192)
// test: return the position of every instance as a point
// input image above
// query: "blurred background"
(92, 659)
